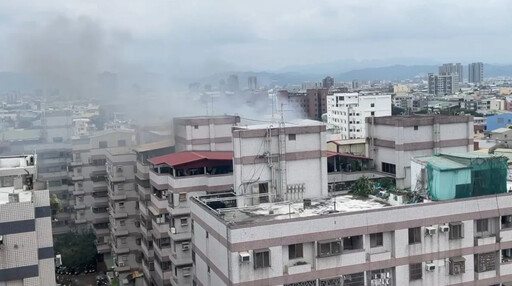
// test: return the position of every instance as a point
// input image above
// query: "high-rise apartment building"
(328, 82)
(26, 243)
(443, 84)
(311, 103)
(451, 68)
(476, 72)
(346, 112)
(252, 82)
(232, 83)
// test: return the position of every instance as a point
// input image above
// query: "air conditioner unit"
(1, 241)
(121, 264)
(186, 272)
(245, 257)
(430, 267)
(444, 228)
(173, 230)
(185, 246)
(430, 230)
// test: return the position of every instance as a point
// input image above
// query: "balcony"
(100, 201)
(185, 235)
(147, 252)
(79, 206)
(116, 177)
(80, 220)
(77, 177)
(118, 214)
(78, 191)
(178, 211)
(119, 250)
(103, 248)
(485, 240)
(100, 232)
(76, 163)
(380, 256)
(117, 196)
(144, 193)
(100, 217)
(298, 268)
(159, 204)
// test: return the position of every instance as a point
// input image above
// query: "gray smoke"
(64, 53)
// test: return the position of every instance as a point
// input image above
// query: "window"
(121, 143)
(122, 222)
(261, 259)
(506, 221)
(292, 137)
(415, 235)
(388, 168)
(183, 197)
(295, 251)
(354, 279)
(485, 262)
(57, 140)
(457, 265)
(103, 144)
(456, 230)
(183, 221)
(415, 127)
(372, 105)
(196, 126)
(376, 239)
(353, 242)
(123, 240)
(482, 225)
(185, 246)
(372, 113)
(329, 248)
(415, 271)
(501, 120)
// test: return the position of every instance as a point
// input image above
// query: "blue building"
(498, 121)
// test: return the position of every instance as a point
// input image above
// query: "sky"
(189, 38)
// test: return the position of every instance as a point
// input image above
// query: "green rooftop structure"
(459, 175)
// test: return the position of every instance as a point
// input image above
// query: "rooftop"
(19, 195)
(501, 130)
(154, 146)
(287, 210)
(348, 141)
(291, 123)
(182, 158)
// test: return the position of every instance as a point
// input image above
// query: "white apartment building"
(269, 162)
(349, 241)
(26, 243)
(395, 140)
(204, 133)
(346, 112)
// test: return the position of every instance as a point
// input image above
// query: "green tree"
(55, 204)
(387, 183)
(78, 249)
(362, 187)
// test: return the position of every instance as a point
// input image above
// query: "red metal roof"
(186, 157)
(332, 154)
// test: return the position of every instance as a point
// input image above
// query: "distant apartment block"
(312, 103)
(346, 112)
(328, 82)
(394, 140)
(442, 84)
(476, 72)
(451, 68)
(252, 82)
(26, 244)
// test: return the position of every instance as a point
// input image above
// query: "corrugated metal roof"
(180, 158)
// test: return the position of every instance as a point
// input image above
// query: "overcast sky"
(189, 36)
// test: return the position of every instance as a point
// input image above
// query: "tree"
(78, 249)
(55, 204)
(387, 183)
(362, 187)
